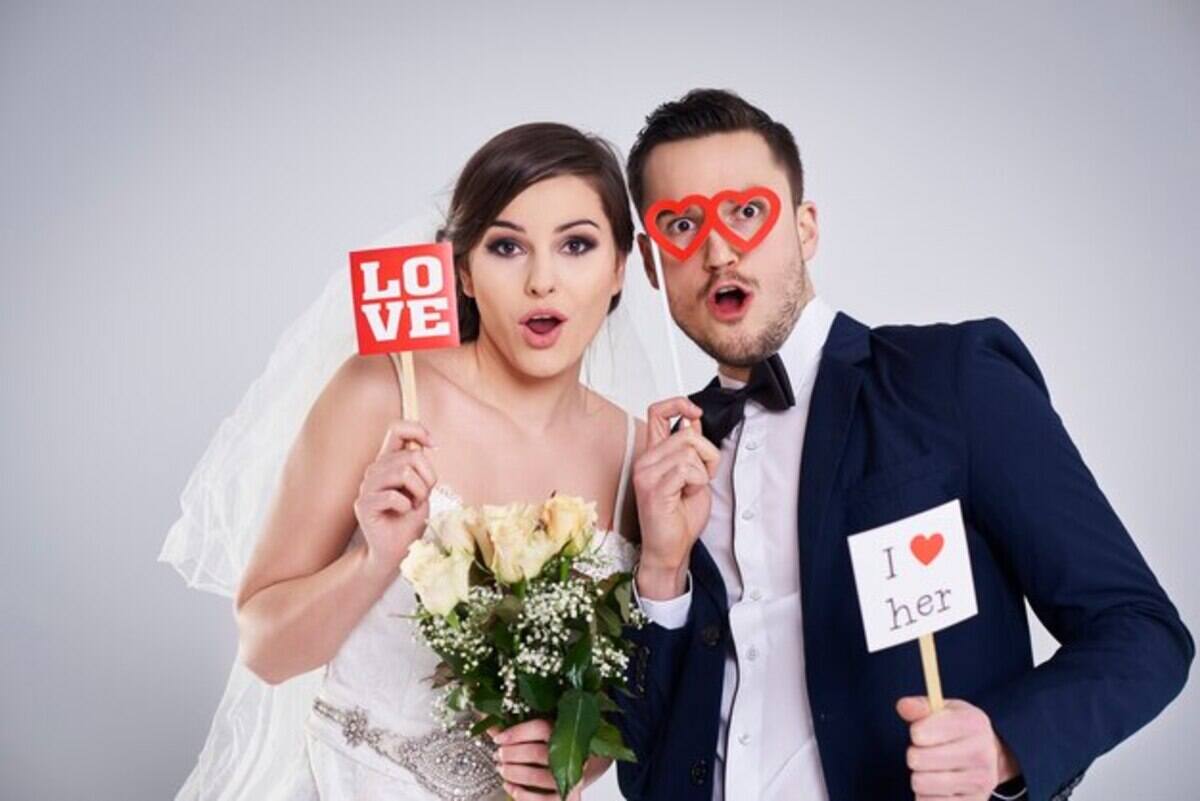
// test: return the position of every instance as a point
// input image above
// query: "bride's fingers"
(518, 793)
(688, 438)
(531, 731)
(376, 502)
(401, 432)
(392, 463)
(527, 776)
(524, 754)
(404, 477)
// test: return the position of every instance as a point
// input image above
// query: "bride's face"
(544, 274)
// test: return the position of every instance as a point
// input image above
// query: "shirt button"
(752, 445)
(752, 654)
(744, 738)
(748, 514)
(756, 594)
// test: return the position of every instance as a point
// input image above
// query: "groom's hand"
(670, 480)
(954, 752)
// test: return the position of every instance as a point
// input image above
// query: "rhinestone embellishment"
(448, 763)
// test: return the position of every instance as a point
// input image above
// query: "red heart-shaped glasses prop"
(710, 218)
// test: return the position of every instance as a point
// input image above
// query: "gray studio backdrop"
(178, 181)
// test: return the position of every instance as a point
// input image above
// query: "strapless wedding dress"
(371, 734)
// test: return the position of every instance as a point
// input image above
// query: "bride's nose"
(541, 279)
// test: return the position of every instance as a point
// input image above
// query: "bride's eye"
(749, 212)
(505, 248)
(578, 245)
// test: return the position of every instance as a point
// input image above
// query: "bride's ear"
(465, 282)
(619, 275)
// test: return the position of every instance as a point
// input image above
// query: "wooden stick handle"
(408, 386)
(933, 681)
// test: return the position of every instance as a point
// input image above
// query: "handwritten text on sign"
(913, 576)
(404, 298)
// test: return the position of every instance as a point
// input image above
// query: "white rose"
(520, 548)
(441, 579)
(455, 528)
(569, 519)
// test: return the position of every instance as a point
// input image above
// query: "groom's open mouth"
(541, 327)
(728, 302)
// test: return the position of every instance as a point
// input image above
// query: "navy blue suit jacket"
(904, 418)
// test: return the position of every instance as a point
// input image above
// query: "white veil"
(256, 743)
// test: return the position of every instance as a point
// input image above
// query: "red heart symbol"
(925, 548)
(650, 220)
(710, 208)
(731, 236)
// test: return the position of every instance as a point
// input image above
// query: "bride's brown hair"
(511, 162)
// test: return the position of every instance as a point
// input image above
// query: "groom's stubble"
(744, 349)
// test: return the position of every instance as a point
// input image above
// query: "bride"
(540, 227)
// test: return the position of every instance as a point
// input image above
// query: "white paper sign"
(913, 576)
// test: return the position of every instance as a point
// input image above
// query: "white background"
(178, 180)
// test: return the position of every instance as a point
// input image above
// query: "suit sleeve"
(1124, 651)
(651, 681)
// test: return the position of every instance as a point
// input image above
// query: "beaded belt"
(448, 763)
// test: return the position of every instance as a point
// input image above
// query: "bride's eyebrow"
(573, 223)
(507, 224)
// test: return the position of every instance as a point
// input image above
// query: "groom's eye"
(682, 226)
(749, 212)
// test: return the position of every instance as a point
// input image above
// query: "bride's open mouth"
(541, 327)
(728, 302)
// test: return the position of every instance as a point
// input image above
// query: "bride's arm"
(304, 591)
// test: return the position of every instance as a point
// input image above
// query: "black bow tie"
(724, 408)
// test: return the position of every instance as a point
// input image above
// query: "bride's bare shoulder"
(612, 417)
(364, 388)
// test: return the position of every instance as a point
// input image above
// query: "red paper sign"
(742, 218)
(404, 298)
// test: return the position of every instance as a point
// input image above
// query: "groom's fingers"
(658, 417)
(677, 444)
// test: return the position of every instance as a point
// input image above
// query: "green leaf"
(537, 691)
(487, 699)
(578, 719)
(578, 658)
(607, 704)
(624, 595)
(502, 636)
(484, 724)
(608, 620)
(607, 742)
(509, 608)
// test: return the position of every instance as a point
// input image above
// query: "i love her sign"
(913, 576)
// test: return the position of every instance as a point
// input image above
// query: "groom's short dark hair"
(702, 112)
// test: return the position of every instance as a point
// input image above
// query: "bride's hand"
(393, 499)
(523, 762)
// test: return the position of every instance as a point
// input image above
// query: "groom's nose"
(718, 255)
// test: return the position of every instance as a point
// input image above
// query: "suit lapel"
(830, 412)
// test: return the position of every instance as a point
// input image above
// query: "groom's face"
(737, 305)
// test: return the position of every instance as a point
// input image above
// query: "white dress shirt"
(766, 747)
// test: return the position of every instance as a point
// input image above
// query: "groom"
(753, 680)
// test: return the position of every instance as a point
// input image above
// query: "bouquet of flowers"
(524, 608)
